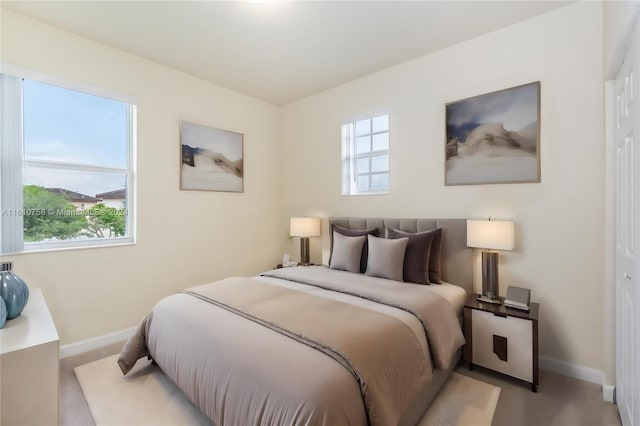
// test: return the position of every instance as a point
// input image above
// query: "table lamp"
(490, 235)
(304, 227)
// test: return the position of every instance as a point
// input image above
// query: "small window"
(365, 156)
(64, 150)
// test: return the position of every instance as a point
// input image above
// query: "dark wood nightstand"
(502, 339)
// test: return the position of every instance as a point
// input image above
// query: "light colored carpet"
(463, 401)
(147, 397)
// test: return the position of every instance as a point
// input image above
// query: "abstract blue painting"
(494, 138)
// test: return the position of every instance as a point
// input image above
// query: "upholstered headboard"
(456, 256)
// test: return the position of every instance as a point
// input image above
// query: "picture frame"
(494, 138)
(211, 159)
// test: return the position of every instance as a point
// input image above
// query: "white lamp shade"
(490, 234)
(304, 227)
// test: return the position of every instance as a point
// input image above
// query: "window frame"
(129, 171)
(350, 157)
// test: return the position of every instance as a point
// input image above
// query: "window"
(66, 154)
(365, 156)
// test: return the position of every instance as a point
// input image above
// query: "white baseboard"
(607, 392)
(579, 372)
(96, 342)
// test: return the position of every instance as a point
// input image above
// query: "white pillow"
(347, 252)
(386, 257)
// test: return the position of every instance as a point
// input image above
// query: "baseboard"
(608, 393)
(579, 372)
(96, 342)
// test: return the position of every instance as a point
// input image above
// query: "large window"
(66, 170)
(365, 156)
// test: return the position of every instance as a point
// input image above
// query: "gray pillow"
(346, 252)
(355, 233)
(416, 258)
(386, 257)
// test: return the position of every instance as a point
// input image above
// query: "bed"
(314, 345)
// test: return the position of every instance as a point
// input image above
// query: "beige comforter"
(234, 347)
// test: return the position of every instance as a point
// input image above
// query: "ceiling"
(280, 51)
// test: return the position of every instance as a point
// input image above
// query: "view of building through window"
(75, 148)
(76, 171)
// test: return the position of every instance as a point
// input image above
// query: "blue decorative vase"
(3, 312)
(13, 290)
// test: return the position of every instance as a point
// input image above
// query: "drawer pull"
(496, 314)
(500, 347)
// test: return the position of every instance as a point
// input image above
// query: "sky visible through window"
(62, 125)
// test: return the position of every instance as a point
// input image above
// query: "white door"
(626, 133)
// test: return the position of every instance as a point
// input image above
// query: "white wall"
(185, 238)
(559, 222)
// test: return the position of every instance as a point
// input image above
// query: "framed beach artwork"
(212, 159)
(494, 138)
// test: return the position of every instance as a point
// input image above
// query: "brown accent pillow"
(416, 249)
(435, 266)
(355, 233)
(416, 258)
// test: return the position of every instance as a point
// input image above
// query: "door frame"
(610, 288)
(631, 19)
(609, 291)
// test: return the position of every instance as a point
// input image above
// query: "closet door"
(627, 130)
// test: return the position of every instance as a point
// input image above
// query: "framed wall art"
(494, 138)
(212, 159)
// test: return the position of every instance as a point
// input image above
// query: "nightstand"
(502, 339)
(280, 265)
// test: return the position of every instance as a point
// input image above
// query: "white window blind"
(11, 226)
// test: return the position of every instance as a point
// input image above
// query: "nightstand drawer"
(503, 344)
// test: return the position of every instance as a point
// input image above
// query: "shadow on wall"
(553, 341)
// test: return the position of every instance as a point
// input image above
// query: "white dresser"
(29, 366)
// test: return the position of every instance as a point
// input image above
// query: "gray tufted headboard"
(456, 256)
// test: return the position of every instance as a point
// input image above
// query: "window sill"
(364, 194)
(41, 248)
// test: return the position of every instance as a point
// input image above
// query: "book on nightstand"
(517, 298)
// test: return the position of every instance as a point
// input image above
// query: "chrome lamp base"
(490, 284)
(304, 251)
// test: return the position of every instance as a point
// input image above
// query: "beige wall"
(184, 237)
(187, 238)
(559, 222)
